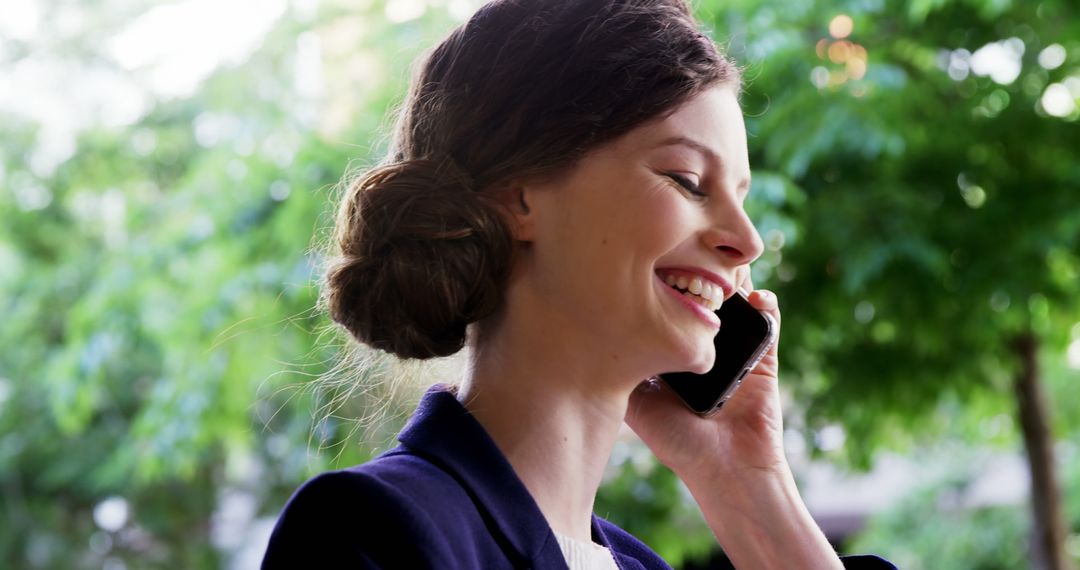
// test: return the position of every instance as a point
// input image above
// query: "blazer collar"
(444, 432)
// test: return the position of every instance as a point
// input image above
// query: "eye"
(687, 184)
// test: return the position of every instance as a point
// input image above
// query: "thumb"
(652, 401)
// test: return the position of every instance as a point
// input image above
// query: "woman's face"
(661, 204)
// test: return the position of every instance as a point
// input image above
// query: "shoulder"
(630, 552)
(398, 510)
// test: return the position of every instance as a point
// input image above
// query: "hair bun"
(421, 255)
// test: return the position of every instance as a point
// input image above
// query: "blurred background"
(166, 178)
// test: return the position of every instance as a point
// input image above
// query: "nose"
(733, 235)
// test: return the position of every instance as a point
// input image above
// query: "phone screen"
(744, 337)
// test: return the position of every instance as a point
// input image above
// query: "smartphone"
(745, 335)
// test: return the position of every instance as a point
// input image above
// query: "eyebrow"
(704, 150)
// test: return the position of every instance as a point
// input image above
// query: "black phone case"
(744, 337)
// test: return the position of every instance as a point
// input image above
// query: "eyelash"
(687, 185)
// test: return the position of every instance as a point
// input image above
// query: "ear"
(518, 201)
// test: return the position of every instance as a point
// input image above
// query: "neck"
(553, 412)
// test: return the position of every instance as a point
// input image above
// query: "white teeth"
(704, 293)
(710, 305)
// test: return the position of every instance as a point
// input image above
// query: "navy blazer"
(445, 498)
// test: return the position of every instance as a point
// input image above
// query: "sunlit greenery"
(160, 347)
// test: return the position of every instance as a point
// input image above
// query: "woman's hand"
(744, 438)
(734, 465)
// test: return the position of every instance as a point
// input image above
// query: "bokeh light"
(398, 11)
(840, 27)
(111, 514)
(1073, 355)
(999, 60)
(849, 54)
(1057, 101)
(1052, 56)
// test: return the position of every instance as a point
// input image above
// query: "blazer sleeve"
(866, 562)
(353, 520)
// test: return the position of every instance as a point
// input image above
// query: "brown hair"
(525, 88)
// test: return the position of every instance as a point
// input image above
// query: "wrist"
(747, 494)
(761, 521)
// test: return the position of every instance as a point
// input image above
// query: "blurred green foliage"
(922, 534)
(932, 528)
(158, 287)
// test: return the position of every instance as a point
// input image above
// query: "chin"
(702, 367)
(696, 359)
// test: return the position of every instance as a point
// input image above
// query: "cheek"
(610, 225)
(638, 224)
(664, 218)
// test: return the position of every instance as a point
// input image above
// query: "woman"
(554, 162)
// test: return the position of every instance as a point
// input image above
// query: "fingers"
(763, 300)
(743, 279)
(766, 302)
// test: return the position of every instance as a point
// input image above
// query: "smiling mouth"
(697, 290)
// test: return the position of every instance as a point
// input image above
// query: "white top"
(585, 555)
